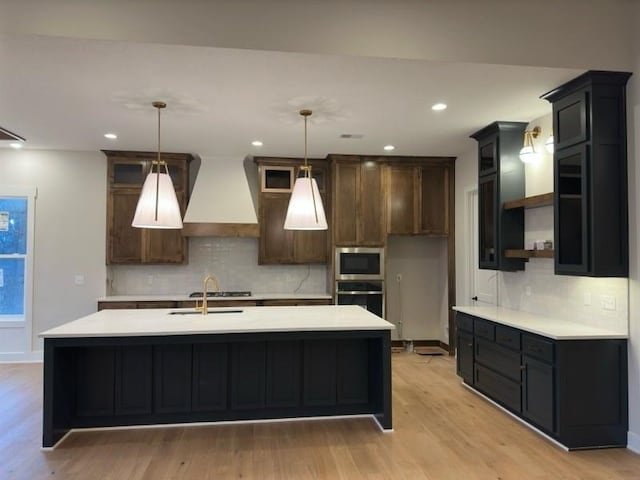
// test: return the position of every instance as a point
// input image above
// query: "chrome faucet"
(210, 278)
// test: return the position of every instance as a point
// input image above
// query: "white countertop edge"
(158, 322)
(185, 297)
(554, 328)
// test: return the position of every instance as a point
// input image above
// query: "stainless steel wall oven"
(360, 278)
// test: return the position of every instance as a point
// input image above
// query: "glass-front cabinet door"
(487, 222)
(571, 210)
(488, 155)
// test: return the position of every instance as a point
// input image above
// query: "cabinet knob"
(523, 367)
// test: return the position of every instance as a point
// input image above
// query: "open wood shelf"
(542, 200)
(528, 253)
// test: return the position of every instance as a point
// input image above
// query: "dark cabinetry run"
(590, 175)
(575, 391)
(277, 245)
(126, 172)
(417, 199)
(358, 208)
(500, 179)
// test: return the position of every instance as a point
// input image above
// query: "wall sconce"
(528, 152)
(549, 144)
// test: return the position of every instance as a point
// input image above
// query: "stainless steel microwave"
(359, 263)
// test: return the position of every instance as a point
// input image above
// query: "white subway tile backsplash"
(234, 262)
(564, 296)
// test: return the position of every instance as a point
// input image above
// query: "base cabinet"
(574, 391)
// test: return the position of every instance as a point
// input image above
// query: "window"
(16, 247)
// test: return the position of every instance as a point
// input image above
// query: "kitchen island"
(167, 366)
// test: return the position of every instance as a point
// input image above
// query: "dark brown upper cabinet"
(126, 172)
(590, 175)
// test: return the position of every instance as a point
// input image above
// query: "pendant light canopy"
(158, 205)
(305, 211)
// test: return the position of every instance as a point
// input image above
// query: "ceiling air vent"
(356, 136)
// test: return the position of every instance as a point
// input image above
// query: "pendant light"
(305, 210)
(158, 205)
(528, 153)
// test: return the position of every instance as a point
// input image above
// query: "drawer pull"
(523, 367)
(469, 344)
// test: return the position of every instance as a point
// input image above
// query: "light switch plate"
(79, 279)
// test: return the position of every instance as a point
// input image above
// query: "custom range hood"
(224, 198)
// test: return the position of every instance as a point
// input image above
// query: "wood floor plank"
(442, 431)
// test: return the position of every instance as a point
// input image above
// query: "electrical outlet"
(608, 302)
(79, 279)
(586, 299)
(527, 291)
(399, 277)
(149, 279)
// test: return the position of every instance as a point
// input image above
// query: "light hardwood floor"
(442, 431)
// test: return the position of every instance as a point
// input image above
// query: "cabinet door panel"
(571, 120)
(371, 204)
(538, 393)
(310, 246)
(276, 243)
(209, 390)
(500, 359)
(434, 191)
(400, 201)
(248, 375)
(571, 210)
(319, 384)
(353, 372)
(133, 380)
(94, 381)
(124, 241)
(284, 380)
(172, 375)
(501, 389)
(166, 245)
(464, 357)
(347, 185)
(488, 222)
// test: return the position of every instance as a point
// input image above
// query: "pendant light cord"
(307, 167)
(158, 168)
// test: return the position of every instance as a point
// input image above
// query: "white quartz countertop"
(185, 297)
(143, 322)
(556, 328)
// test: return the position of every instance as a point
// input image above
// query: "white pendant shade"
(529, 155)
(168, 207)
(301, 214)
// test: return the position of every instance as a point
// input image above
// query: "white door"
(483, 283)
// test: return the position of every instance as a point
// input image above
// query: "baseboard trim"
(633, 442)
(22, 357)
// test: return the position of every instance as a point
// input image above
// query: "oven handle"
(359, 292)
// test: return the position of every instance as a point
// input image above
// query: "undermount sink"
(209, 312)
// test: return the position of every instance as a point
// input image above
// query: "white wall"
(537, 289)
(234, 262)
(69, 230)
(420, 299)
(633, 149)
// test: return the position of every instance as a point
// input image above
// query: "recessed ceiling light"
(439, 106)
(388, 148)
(110, 136)
(256, 143)
(16, 145)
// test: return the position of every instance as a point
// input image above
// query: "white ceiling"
(63, 93)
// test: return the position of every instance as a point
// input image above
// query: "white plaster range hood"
(224, 198)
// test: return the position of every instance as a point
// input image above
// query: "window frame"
(24, 320)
